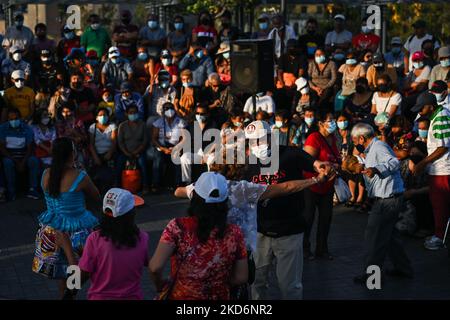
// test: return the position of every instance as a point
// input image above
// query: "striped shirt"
(439, 136)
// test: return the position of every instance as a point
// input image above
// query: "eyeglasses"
(20, 79)
(201, 114)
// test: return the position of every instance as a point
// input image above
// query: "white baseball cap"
(339, 16)
(209, 182)
(18, 74)
(257, 129)
(301, 83)
(120, 202)
(113, 52)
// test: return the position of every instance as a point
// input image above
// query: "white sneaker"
(433, 243)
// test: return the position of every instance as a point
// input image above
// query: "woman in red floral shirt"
(208, 256)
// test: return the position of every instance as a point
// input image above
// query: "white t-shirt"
(263, 103)
(439, 136)
(415, 44)
(169, 133)
(289, 34)
(103, 141)
(338, 38)
(382, 103)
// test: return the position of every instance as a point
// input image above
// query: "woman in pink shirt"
(117, 240)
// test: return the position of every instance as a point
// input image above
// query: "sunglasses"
(201, 114)
(20, 79)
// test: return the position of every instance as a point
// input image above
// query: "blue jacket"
(201, 69)
(121, 105)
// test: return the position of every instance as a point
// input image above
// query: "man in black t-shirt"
(280, 221)
(310, 41)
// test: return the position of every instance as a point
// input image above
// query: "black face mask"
(205, 21)
(125, 20)
(379, 68)
(360, 148)
(428, 52)
(311, 31)
(384, 88)
(360, 89)
(225, 25)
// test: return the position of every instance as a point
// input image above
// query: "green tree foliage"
(214, 6)
(402, 16)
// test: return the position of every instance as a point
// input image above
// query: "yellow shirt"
(21, 99)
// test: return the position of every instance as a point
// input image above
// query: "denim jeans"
(141, 162)
(160, 160)
(9, 167)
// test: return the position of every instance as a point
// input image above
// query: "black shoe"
(399, 274)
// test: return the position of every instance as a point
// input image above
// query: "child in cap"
(114, 255)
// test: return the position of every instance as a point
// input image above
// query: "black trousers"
(324, 204)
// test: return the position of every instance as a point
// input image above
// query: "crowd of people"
(375, 126)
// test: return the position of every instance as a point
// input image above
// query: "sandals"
(350, 203)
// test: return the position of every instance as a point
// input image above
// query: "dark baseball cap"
(438, 86)
(425, 99)
(125, 87)
(378, 58)
(419, 24)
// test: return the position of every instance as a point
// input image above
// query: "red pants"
(440, 200)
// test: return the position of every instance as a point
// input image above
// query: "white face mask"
(17, 56)
(278, 124)
(261, 151)
(95, 26)
(19, 84)
(169, 113)
(166, 62)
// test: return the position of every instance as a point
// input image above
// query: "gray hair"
(363, 129)
(213, 76)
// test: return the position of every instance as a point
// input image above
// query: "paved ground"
(322, 279)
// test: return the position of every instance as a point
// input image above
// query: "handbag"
(168, 287)
(342, 190)
(131, 177)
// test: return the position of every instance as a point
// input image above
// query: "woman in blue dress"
(66, 189)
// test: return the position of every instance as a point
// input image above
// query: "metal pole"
(283, 5)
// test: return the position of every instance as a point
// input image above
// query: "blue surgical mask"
(199, 54)
(417, 65)
(187, 84)
(351, 61)
(179, 26)
(133, 117)
(320, 59)
(423, 133)
(278, 124)
(445, 63)
(14, 123)
(102, 119)
(439, 97)
(69, 35)
(95, 26)
(339, 56)
(342, 124)
(115, 60)
(164, 85)
(226, 55)
(169, 113)
(396, 50)
(263, 25)
(200, 118)
(152, 24)
(142, 56)
(237, 124)
(331, 127)
(309, 121)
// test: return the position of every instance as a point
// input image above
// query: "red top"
(173, 70)
(365, 41)
(203, 31)
(206, 272)
(326, 153)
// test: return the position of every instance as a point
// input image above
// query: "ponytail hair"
(62, 150)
